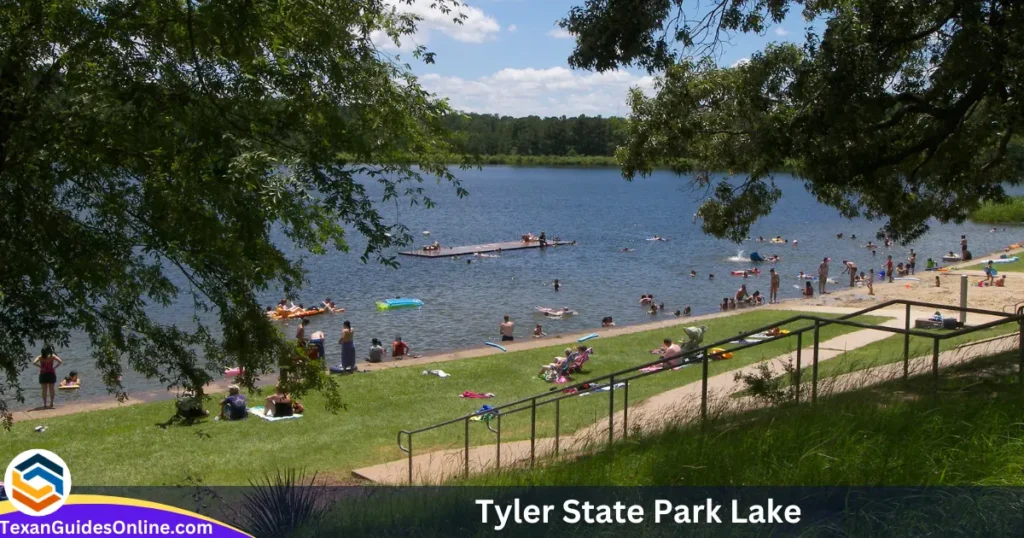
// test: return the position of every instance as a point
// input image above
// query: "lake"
(464, 303)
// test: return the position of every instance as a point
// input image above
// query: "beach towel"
(471, 394)
(439, 373)
(258, 412)
(652, 368)
(604, 388)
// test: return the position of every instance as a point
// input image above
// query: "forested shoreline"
(569, 141)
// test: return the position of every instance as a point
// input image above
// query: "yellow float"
(720, 353)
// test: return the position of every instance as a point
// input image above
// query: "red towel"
(471, 394)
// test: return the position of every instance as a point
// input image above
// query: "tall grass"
(1009, 212)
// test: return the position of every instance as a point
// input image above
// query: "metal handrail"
(555, 396)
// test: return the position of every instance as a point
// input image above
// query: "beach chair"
(576, 364)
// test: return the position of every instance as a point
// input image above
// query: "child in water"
(538, 331)
(71, 380)
(809, 290)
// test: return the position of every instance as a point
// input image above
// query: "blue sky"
(509, 57)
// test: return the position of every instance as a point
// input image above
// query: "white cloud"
(560, 33)
(477, 27)
(555, 91)
(781, 32)
(741, 61)
(512, 28)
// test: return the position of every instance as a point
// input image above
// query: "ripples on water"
(604, 214)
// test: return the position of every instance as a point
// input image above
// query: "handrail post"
(611, 410)
(410, 458)
(799, 351)
(466, 469)
(533, 431)
(704, 390)
(906, 347)
(814, 372)
(499, 441)
(625, 411)
(1020, 366)
(935, 364)
(558, 417)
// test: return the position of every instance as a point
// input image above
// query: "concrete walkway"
(670, 407)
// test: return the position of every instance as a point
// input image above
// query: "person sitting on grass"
(672, 351)
(278, 404)
(550, 371)
(399, 349)
(71, 380)
(233, 407)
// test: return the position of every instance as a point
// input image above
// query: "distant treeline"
(577, 141)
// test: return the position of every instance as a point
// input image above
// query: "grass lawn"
(890, 434)
(1012, 267)
(129, 446)
(890, 350)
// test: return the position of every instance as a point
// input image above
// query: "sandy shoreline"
(989, 298)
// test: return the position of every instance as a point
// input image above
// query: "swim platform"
(447, 252)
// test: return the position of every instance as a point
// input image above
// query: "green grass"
(889, 434)
(1012, 267)
(890, 350)
(129, 446)
(1009, 212)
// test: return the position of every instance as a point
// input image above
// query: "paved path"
(670, 407)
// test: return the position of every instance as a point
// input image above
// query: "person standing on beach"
(871, 281)
(852, 269)
(822, 276)
(348, 347)
(888, 268)
(47, 362)
(912, 260)
(506, 329)
(963, 248)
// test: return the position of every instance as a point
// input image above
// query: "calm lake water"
(604, 214)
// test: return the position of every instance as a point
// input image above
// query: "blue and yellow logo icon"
(37, 482)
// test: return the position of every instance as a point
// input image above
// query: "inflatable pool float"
(953, 258)
(1007, 260)
(402, 302)
(70, 387)
(233, 371)
(942, 269)
(300, 314)
(492, 344)
(724, 354)
(1015, 245)
(588, 337)
(777, 241)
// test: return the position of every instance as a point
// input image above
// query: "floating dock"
(448, 252)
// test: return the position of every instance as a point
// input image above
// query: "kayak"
(402, 302)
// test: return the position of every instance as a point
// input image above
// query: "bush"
(1010, 211)
(769, 388)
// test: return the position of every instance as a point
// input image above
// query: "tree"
(903, 111)
(147, 142)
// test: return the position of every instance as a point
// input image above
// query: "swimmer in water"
(795, 242)
(711, 276)
(839, 235)
(693, 274)
(627, 250)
